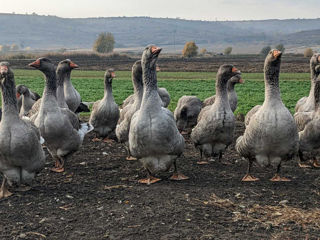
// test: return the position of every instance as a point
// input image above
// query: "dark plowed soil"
(98, 197)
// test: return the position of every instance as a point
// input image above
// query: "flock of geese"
(150, 132)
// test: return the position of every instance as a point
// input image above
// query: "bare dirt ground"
(98, 197)
(247, 63)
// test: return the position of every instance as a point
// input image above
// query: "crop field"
(90, 85)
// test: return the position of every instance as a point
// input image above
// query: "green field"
(90, 85)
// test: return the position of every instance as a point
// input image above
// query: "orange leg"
(278, 178)
(315, 163)
(107, 140)
(150, 179)
(177, 176)
(302, 163)
(4, 192)
(59, 165)
(248, 177)
(202, 162)
(96, 139)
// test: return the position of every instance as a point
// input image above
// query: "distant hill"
(50, 32)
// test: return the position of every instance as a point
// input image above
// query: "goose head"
(236, 79)
(109, 75)
(21, 90)
(273, 57)
(150, 56)
(225, 72)
(43, 64)
(66, 66)
(6, 75)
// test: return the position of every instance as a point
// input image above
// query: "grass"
(90, 85)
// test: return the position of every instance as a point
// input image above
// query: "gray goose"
(20, 90)
(271, 136)
(122, 130)
(309, 130)
(27, 100)
(306, 104)
(186, 112)
(20, 148)
(72, 96)
(59, 127)
(105, 112)
(214, 130)
(153, 136)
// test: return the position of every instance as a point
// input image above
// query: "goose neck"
(271, 79)
(51, 84)
(9, 101)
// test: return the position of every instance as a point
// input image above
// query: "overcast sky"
(187, 9)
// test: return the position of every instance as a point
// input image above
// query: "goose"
(72, 96)
(22, 88)
(271, 136)
(308, 124)
(153, 136)
(214, 130)
(105, 112)
(122, 130)
(306, 104)
(20, 148)
(232, 95)
(27, 100)
(59, 127)
(186, 112)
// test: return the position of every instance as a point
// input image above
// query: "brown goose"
(153, 136)
(20, 148)
(271, 135)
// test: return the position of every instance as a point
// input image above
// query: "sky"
(210, 10)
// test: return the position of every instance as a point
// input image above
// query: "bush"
(280, 47)
(227, 51)
(308, 52)
(190, 49)
(265, 50)
(104, 43)
(4, 48)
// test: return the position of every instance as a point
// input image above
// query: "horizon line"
(176, 18)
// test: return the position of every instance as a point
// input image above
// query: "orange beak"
(35, 64)
(241, 80)
(113, 74)
(319, 59)
(155, 49)
(73, 65)
(158, 69)
(276, 53)
(18, 95)
(235, 70)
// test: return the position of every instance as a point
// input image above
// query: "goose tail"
(84, 129)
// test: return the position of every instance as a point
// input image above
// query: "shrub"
(190, 49)
(227, 51)
(308, 52)
(104, 43)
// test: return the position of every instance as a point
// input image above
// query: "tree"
(308, 52)
(104, 43)
(190, 49)
(280, 47)
(265, 50)
(227, 51)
